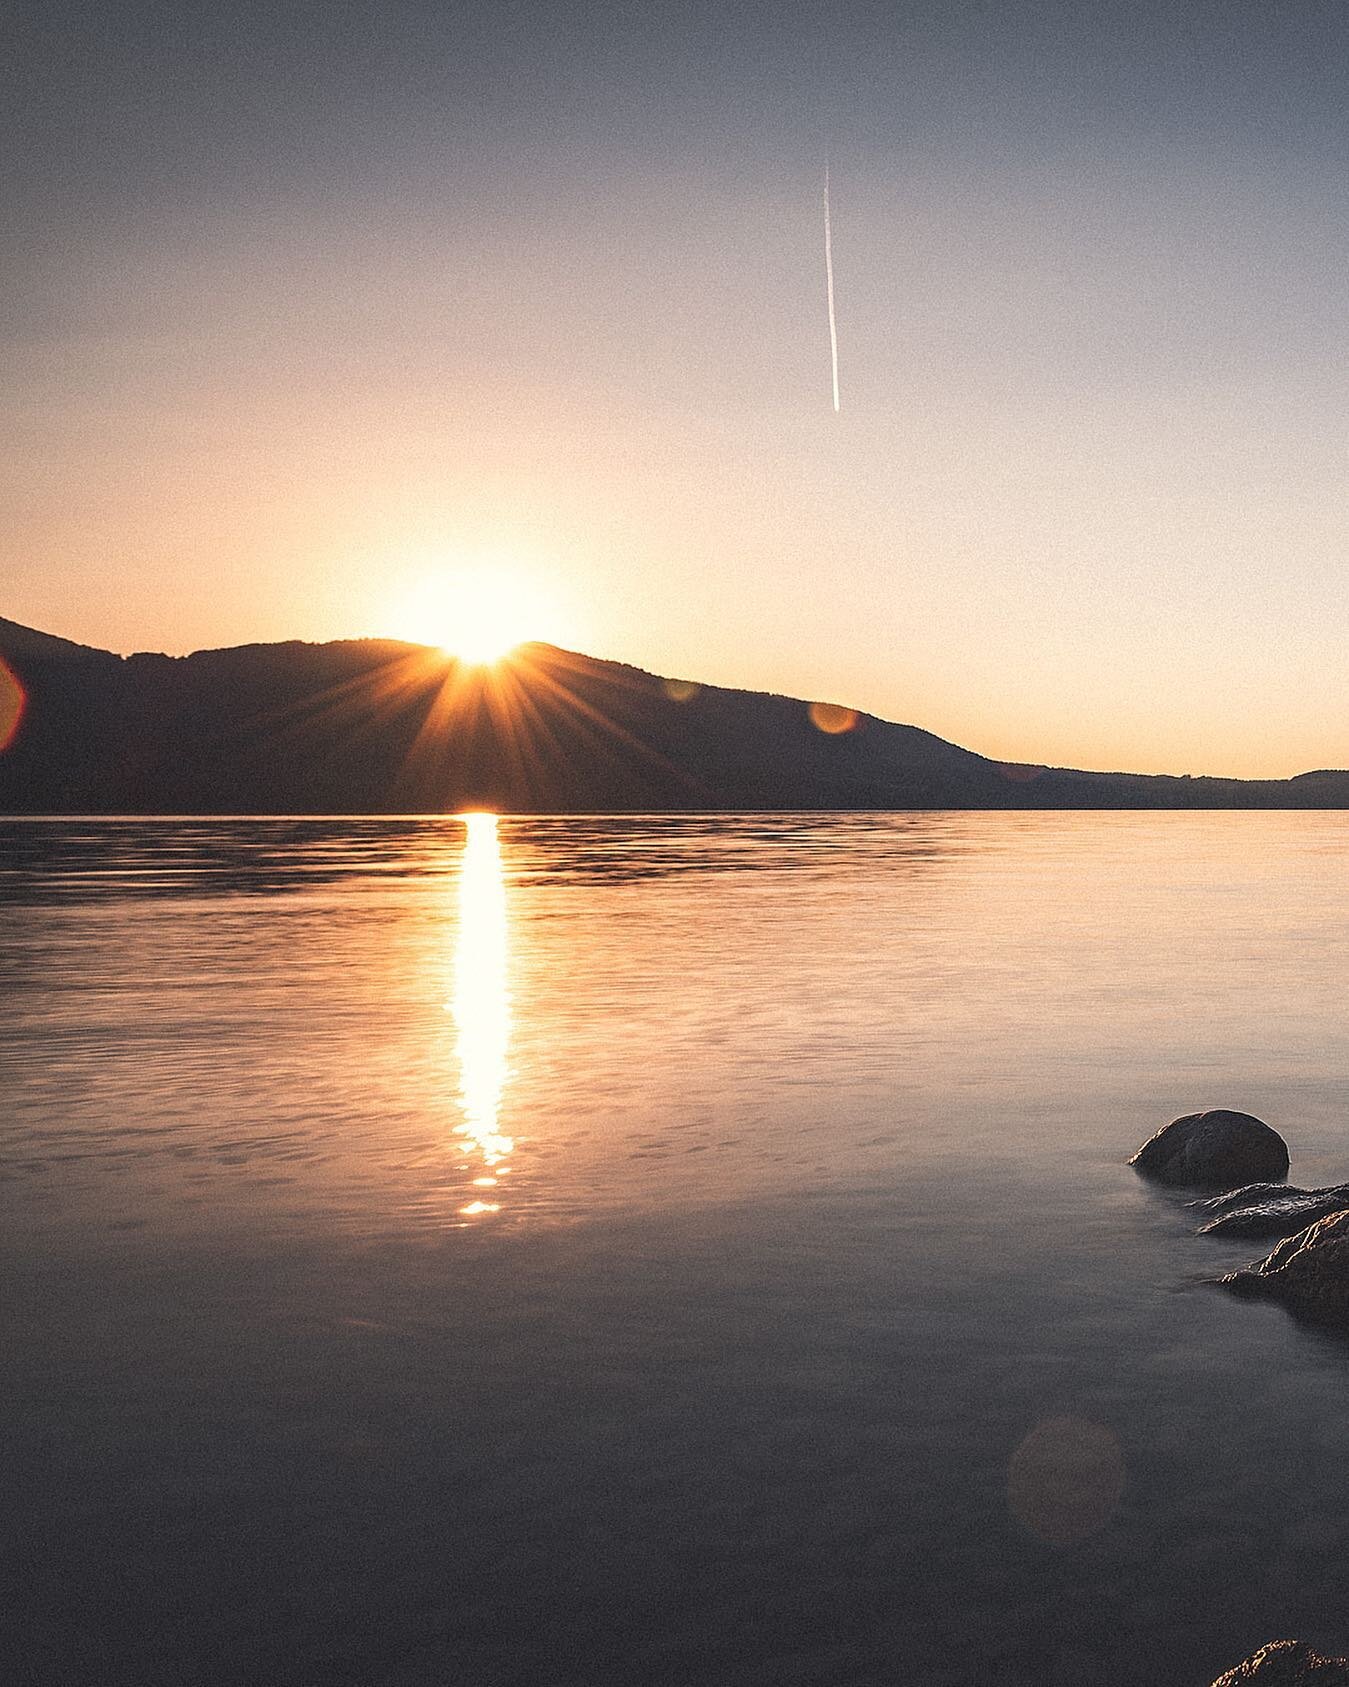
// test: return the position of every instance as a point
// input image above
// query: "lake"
(689, 1250)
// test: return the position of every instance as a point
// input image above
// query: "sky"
(305, 306)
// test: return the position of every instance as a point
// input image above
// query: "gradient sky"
(300, 304)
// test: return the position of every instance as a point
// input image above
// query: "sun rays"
(449, 734)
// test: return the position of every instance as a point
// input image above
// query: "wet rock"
(1287, 1663)
(1270, 1209)
(1230, 1199)
(1308, 1272)
(1216, 1150)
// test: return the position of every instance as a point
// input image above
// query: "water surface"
(674, 1250)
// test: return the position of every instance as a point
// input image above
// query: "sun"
(477, 617)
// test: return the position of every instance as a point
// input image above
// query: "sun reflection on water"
(481, 1003)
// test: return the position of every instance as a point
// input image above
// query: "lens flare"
(13, 702)
(1066, 1479)
(833, 718)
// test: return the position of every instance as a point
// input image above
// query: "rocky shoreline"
(1247, 1161)
(1287, 1663)
(1308, 1273)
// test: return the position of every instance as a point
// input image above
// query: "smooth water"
(666, 1251)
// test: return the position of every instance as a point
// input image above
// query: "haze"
(301, 304)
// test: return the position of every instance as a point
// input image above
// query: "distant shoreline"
(374, 727)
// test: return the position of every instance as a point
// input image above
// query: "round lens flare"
(1066, 1479)
(833, 718)
(12, 702)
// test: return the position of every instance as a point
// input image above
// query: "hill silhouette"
(376, 726)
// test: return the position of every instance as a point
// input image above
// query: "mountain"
(375, 726)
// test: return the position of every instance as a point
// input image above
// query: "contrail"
(829, 281)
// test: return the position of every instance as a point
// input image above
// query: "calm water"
(657, 1251)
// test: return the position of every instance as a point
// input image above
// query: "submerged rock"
(1287, 1663)
(1216, 1150)
(1270, 1209)
(1308, 1272)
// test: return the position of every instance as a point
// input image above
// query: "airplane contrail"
(829, 282)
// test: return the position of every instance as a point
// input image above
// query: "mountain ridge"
(382, 726)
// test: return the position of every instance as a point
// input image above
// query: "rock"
(1216, 1150)
(1230, 1199)
(1270, 1209)
(1287, 1663)
(1308, 1272)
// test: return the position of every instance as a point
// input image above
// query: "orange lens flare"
(833, 718)
(680, 690)
(13, 703)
